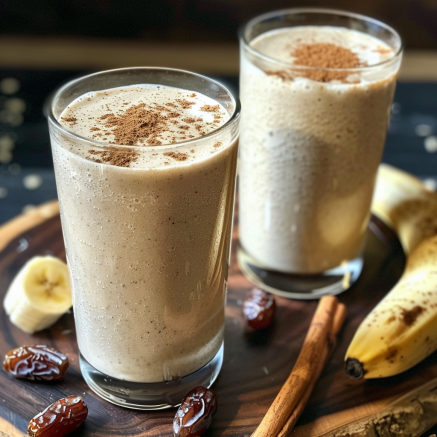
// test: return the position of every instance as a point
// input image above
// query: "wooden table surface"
(255, 363)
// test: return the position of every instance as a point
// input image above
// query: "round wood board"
(255, 363)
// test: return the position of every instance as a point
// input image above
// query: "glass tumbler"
(147, 246)
(311, 140)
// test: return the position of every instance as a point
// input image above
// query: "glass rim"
(52, 119)
(327, 11)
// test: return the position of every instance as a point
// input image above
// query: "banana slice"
(39, 295)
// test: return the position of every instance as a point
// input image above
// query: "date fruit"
(37, 363)
(259, 308)
(194, 416)
(59, 418)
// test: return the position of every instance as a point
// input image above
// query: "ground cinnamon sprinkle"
(185, 103)
(323, 56)
(177, 156)
(116, 156)
(382, 51)
(210, 108)
(189, 120)
(138, 124)
(71, 120)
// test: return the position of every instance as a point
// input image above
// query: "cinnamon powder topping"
(185, 103)
(189, 120)
(137, 124)
(321, 56)
(382, 51)
(148, 119)
(210, 108)
(117, 156)
(325, 55)
(177, 156)
(71, 120)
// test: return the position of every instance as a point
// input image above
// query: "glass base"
(303, 287)
(149, 396)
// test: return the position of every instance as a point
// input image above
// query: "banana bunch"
(402, 329)
(39, 295)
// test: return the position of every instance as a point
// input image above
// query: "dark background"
(196, 20)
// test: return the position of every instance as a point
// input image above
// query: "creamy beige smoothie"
(311, 142)
(147, 229)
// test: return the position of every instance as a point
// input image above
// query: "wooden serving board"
(255, 363)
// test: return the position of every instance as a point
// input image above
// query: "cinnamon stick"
(304, 371)
(340, 316)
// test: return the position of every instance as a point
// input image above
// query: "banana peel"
(405, 204)
(402, 329)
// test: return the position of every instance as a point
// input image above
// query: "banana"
(39, 295)
(405, 204)
(402, 329)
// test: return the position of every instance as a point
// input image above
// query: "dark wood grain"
(255, 363)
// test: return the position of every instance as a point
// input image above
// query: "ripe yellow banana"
(406, 204)
(39, 295)
(402, 329)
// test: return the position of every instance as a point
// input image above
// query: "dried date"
(259, 308)
(194, 416)
(59, 418)
(39, 362)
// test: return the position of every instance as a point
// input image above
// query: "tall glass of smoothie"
(317, 87)
(145, 163)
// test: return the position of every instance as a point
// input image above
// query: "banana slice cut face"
(39, 295)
